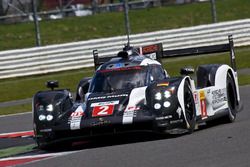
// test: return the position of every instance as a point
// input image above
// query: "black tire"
(190, 111)
(231, 99)
(41, 145)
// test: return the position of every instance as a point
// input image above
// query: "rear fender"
(206, 75)
(221, 78)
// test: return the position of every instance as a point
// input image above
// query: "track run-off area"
(222, 145)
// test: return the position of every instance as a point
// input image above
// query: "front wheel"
(189, 108)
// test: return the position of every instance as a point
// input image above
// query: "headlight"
(158, 96)
(40, 108)
(166, 104)
(50, 108)
(49, 117)
(42, 117)
(167, 94)
(157, 106)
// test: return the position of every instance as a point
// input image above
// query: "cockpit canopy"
(125, 78)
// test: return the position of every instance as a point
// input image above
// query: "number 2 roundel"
(106, 110)
(103, 108)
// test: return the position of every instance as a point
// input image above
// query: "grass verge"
(16, 150)
(21, 88)
(16, 109)
(26, 87)
(112, 24)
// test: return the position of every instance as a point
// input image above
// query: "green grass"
(15, 109)
(244, 79)
(16, 150)
(242, 60)
(21, 88)
(28, 86)
(111, 24)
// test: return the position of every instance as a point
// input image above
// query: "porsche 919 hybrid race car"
(132, 91)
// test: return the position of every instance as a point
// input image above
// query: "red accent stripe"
(203, 109)
(17, 134)
(13, 162)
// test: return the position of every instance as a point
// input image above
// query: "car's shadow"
(122, 138)
(109, 140)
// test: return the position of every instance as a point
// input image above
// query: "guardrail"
(76, 55)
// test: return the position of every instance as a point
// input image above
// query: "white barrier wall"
(76, 55)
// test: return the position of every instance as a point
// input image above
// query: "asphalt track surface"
(223, 145)
(14, 123)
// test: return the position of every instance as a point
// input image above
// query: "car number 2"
(102, 110)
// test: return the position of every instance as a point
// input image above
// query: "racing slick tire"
(42, 145)
(231, 99)
(189, 108)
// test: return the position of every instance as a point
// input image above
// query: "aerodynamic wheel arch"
(184, 86)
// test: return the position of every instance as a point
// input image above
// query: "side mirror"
(82, 89)
(52, 84)
(187, 70)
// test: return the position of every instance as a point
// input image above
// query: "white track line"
(38, 156)
(10, 115)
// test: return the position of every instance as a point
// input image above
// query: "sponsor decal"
(164, 117)
(103, 108)
(75, 118)
(163, 84)
(104, 103)
(121, 69)
(176, 121)
(218, 96)
(101, 122)
(149, 49)
(107, 97)
(77, 114)
(203, 104)
(133, 108)
(99, 111)
(75, 123)
(202, 94)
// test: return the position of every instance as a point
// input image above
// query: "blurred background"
(12, 11)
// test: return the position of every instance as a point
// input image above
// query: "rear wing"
(100, 60)
(156, 52)
(229, 47)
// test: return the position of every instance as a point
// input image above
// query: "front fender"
(180, 95)
(48, 106)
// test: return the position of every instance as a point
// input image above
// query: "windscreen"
(112, 80)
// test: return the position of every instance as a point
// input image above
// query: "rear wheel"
(232, 104)
(189, 108)
(231, 99)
